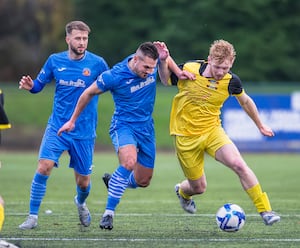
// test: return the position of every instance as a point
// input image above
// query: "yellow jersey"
(1, 216)
(196, 108)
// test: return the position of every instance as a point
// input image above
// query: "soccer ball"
(230, 217)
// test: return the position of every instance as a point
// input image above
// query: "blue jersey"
(133, 96)
(72, 77)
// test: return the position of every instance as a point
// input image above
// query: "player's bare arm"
(168, 65)
(250, 108)
(163, 69)
(83, 100)
(181, 74)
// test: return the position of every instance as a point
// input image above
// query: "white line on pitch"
(162, 239)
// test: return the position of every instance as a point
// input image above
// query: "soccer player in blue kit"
(73, 70)
(132, 84)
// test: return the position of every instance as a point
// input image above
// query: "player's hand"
(266, 131)
(162, 50)
(184, 75)
(67, 127)
(26, 83)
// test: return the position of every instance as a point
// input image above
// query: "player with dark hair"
(73, 70)
(196, 126)
(132, 84)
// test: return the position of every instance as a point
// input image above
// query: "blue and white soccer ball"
(230, 217)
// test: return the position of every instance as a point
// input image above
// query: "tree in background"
(265, 33)
(29, 30)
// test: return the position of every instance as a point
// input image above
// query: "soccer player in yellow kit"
(1, 212)
(196, 125)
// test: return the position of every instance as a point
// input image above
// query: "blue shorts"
(80, 150)
(142, 137)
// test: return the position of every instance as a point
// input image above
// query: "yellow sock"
(185, 196)
(259, 198)
(1, 216)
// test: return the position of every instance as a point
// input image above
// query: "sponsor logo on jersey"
(213, 84)
(78, 83)
(142, 84)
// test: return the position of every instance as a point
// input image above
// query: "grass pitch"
(151, 217)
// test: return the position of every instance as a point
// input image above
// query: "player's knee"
(45, 167)
(44, 170)
(83, 185)
(129, 163)
(240, 168)
(83, 182)
(143, 182)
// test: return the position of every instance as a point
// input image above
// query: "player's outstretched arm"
(34, 86)
(266, 130)
(83, 100)
(163, 70)
(181, 74)
(168, 65)
(250, 108)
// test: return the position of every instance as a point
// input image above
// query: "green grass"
(152, 217)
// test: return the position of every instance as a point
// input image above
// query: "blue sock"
(131, 181)
(117, 185)
(82, 194)
(37, 193)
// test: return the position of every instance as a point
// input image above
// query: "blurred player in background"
(3, 243)
(73, 70)
(196, 125)
(132, 83)
(4, 123)
(1, 212)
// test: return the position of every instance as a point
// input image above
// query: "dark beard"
(74, 50)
